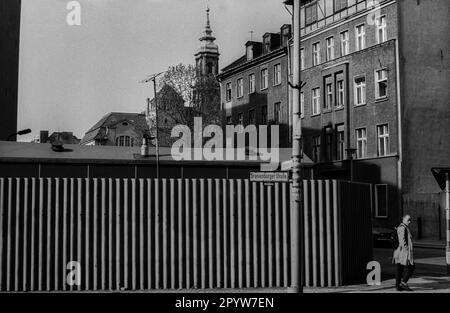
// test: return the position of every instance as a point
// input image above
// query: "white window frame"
(240, 87)
(264, 78)
(316, 146)
(328, 101)
(241, 119)
(316, 53)
(277, 74)
(383, 139)
(302, 59)
(340, 91)
(361, 153)
(377, 215)
(330, 48)
(357, 86)
(362, 35)
(251, 83)
(228, 92)
(378, 81)
(345, 42)
(315, 101)
(340, 149)
(302, 104)
(381, 28)
(277, 113)
(124, 141)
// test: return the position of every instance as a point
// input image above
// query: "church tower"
(207, 57)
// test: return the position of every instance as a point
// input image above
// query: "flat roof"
(24, 152)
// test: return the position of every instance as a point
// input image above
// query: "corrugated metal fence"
(146, 234)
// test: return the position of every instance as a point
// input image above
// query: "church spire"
(207, 57)
(207, 33)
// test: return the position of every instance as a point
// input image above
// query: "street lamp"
(152, 78)
(20, 133)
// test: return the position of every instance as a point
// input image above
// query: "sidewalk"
(429, 244)
(425, 284)
(429, 277)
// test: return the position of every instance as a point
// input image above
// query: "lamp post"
(297, 244)
(152, 78)
(20, 133)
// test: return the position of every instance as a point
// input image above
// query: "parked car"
(382, 237)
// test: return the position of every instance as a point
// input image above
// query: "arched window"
(124, 141)
(209, 68)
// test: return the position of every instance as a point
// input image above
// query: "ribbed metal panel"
(146, 234)
(142, 234)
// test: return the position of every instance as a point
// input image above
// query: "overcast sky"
(70, 76)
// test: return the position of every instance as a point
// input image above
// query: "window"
(328, 103)
(383, 140)
(264, 115)
(249, 52)
(251, 83)
(316, 54)
(277, 74)
(315, 100)
(361, 143)
(329, 143)
(340, 93)
(360, 91)
(381, 201)
(277, 113)
(381, 29)
(339, 5)
(241, 119)
(229, 120)
(311, 13)
(266, 46)
(228, 92)
(360, 37)
(381, 84)
(330, 48)
(240, 88)
(251, 117)
(124, 141)
(345, 48)
(264, 79)
(340, 142)
(316, 148)
(302, 59)
(302, 105)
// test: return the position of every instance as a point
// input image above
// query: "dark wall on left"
(9, 65)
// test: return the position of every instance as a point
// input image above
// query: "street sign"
(269, 177)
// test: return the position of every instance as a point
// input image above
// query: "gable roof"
(98, 131)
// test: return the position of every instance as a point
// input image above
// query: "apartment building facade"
(254, 88)
(365, 116)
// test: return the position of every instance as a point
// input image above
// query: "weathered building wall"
(425, 82)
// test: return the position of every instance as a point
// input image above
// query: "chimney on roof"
(43, 136)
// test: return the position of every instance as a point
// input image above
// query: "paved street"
(430, 275)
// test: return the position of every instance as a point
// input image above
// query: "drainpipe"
(447, 214)
(399, 129)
